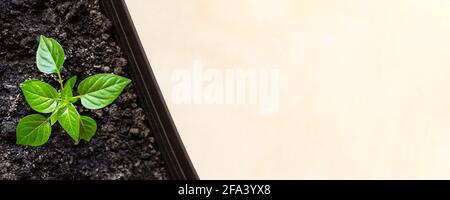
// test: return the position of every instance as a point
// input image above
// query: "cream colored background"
(365, 85)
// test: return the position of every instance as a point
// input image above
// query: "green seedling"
(95, 92)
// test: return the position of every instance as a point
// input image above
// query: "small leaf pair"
(95, 92)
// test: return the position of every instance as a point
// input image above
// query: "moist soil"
(123, 147)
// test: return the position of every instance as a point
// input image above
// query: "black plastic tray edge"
(160, 121)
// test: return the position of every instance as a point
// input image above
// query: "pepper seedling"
(95, 92)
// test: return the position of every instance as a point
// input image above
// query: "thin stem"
(60, 80)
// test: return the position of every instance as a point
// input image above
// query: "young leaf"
(41, 96)
(49, 56)
(71, 82)
(66, 93)
(88, 127)
(100, 90)
(33, 130)
(69, 119)
(54, 117)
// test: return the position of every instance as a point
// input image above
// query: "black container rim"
(177, 160)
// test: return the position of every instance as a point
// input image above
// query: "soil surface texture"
(123, 147)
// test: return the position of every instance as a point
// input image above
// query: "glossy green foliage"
(49, 56)
(33, 130)
(41, 96)
(95, 92)
(101, 90)
(88, 127)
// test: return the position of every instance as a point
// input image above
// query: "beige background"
(365, 85)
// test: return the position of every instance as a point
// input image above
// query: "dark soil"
(123, 147)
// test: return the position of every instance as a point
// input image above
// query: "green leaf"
(71, 82)
(69, 119)
(54, 117)
(100, 90)
(41, 96)
(33, 130)
(49, 56)
(66, 92)
(88, 127)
